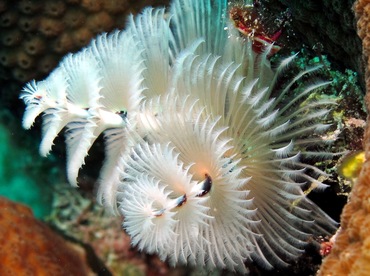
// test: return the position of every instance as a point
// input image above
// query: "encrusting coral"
(351, 251)
(30, 247)
(206, 147)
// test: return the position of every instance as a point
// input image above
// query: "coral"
(74, 18)
(64, 42)
(25, 61)
(362, 11)
(55, 28)
(8, 58)
(11, 38)
(93, 5)
(29, 24)
(207, 147)
(8, 18)
(28, 7)
(50, 27)
(34, 46)
(55, 8)
(29, 247)
(351, 251)
(100, 21)
(80, 37)
(47, 63)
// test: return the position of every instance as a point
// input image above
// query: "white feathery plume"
(121, 65)
(203, 151)
(149, 210)
(48, 96)
(121, 68)
(254, 143)
(82, 74)
(42, 95)
(55, 117)
(169, 196)
(191, 20)
(205, 157)
(151, 31)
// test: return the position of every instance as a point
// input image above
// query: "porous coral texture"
(31, 30)
(362, 11)
(351, 252)
(29, 247)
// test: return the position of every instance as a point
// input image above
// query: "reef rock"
(351, 251)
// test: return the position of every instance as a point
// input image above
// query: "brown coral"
(351, 250)
(29, 247)
(53, 28)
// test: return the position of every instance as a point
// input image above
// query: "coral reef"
(27, 35)
(29, 247)
(204, 141)
(35, 34)
(350, 254)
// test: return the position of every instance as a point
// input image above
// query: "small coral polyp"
(205, 157)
